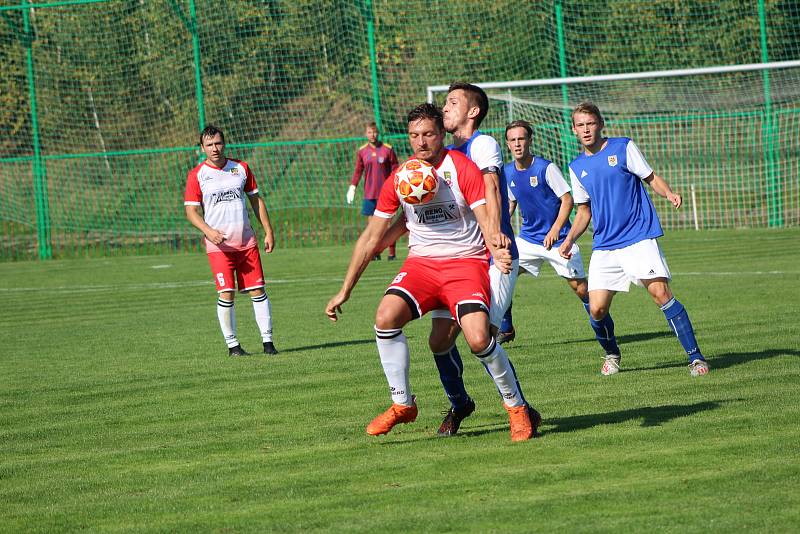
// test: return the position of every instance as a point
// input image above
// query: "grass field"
(120, 411)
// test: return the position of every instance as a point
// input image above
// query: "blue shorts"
(368, 206)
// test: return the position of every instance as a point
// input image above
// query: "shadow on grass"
(328, 345)
(651, 415)
(629, 338)
(725, 360)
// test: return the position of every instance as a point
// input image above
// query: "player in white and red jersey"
(465, 108)
(446, 268)
(218, 187)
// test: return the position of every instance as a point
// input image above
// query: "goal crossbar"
(431, 89)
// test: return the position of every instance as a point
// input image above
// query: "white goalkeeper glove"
(351, 194)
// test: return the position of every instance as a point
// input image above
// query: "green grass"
(120, 411)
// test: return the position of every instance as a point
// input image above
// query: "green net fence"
(101, 101)
(708, 134)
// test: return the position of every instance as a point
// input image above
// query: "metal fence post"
(562, 69)
(774, 202)
(39, 168)
(373, 63)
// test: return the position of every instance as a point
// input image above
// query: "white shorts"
(532, 256)
(615, 270)
(502, 289)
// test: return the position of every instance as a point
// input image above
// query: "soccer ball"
(416, 182)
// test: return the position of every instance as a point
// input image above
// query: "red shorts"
(428, 284)
(246, 263)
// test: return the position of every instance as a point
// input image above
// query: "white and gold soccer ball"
(416, 182)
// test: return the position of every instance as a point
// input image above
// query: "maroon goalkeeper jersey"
(376, 163)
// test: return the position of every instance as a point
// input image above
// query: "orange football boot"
(521, 428)
(397, 413)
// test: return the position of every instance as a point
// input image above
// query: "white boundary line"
(188, 283)
(304, 281)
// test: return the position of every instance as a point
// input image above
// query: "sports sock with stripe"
(451, 369)
(603, 331)
(678, 320)
(263, 312)
(495, 359)
(393, 350)
(227, 321)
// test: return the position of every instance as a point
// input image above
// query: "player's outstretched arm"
(661, 187)
(363, 252)
(260, 209)
(583, 214)
(501, 255)
(196, 218)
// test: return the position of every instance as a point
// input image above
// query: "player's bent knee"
(598, 312)
(660, 292)
(581, 288)
(443, 335)
(386, 319)
(439, 343)
(474, 320)
(482, 351)
(393, 312)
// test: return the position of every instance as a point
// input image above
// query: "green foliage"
(120, 411)
(119, 76)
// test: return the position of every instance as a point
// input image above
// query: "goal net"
(724, 137)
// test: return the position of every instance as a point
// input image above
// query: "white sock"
(227, 321)
(495, 359)
(393, 350)
(263, 312)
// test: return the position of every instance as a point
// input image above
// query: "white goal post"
(433, 89)
(725, 136)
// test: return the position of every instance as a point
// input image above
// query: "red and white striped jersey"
(444, 227)
(222, 194)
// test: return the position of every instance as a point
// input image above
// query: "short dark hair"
(427, 111)
(520, 124)
(476, 97)
(210, 131)
(372, 124)
(587, 107)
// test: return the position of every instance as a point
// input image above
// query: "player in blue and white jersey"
(466, 105)
(537, 186)
(608, 180)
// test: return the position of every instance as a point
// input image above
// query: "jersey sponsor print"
(223, 195)
(445, 227)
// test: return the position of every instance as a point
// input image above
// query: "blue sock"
(507, 324)
(603, 331)
(679, 321)
(451, 369)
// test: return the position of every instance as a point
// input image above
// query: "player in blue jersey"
(608, 180)
(466, 105)
(537, 186)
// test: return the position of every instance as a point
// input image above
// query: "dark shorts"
(368, 206)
